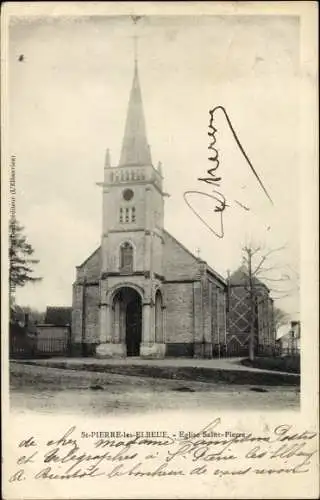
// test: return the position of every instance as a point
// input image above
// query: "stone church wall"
(111, 214)
(92, 314)
(86, 332)
(266, 337)
(76, 323)
(90, 268)
(114, 242)
(157, 254)
(179, 319)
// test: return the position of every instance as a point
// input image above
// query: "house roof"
(59, 316)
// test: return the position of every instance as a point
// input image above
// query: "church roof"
(214, 273)
(240, 278)
(135, 148)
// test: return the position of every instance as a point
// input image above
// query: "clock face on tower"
(127, 194)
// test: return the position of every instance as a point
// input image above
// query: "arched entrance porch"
(127, 319)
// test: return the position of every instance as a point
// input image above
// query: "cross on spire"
(135, 49)
(135, 20)
(135, 148)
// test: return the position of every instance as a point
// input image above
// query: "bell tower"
(132, 243)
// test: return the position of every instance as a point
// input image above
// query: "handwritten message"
(214, 178)
(214, 450)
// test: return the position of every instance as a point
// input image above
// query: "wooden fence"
(49, 341)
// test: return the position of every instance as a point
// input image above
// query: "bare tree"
(280, 317)
(248, 254)
(261, 271)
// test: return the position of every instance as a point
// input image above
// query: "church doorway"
(133, 326)
(128, 319)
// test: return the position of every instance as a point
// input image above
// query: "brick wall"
(221, 320)
(213, 294)
(92, 301)
(272, 330)
(266, 333)
(76, 317)
(179, 319)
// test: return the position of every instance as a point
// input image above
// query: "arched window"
(126, 257)
(133, 214)
(127, 215)
(127, 218)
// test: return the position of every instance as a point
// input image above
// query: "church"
(142, 293)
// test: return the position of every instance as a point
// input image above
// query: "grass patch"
(289, 364)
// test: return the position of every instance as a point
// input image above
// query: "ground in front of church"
(44, 389)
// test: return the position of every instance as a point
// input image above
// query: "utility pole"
(83, 330)
(227, 313)
(252, 306)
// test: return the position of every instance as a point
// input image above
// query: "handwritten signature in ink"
(214, 178)
(212, 450)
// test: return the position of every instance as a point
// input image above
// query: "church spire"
(107, 161)
(135, 149)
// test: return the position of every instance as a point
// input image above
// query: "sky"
(67, 105)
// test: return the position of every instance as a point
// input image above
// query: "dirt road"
(50, 390)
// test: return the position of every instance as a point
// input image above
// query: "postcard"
(159, 231)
